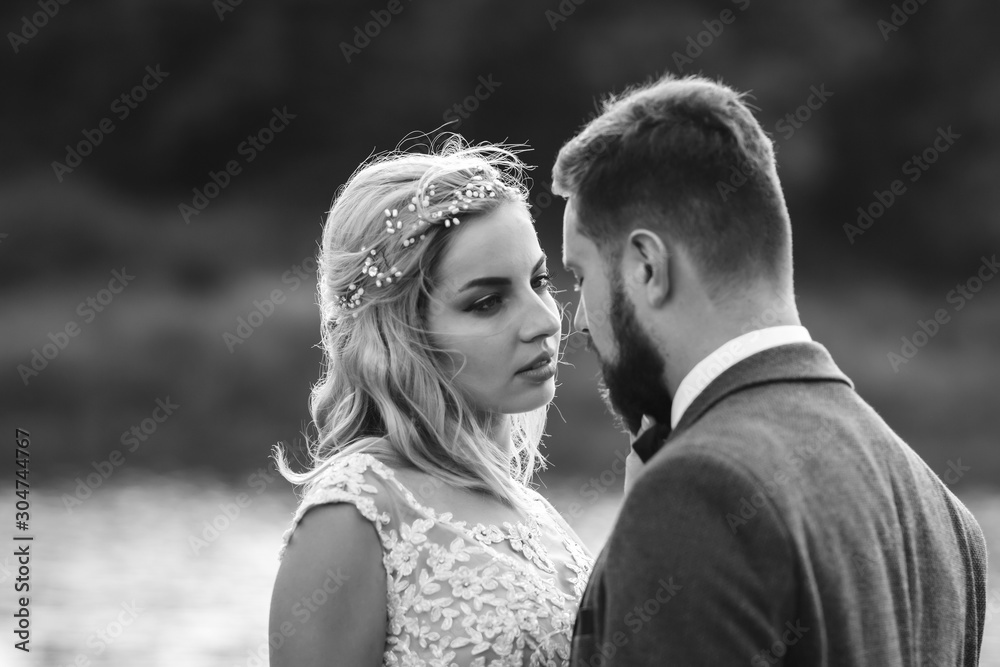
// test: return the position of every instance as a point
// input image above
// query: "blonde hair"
(383, 389)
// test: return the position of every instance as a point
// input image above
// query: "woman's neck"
(502, 438)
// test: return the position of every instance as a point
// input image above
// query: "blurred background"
(166, 168)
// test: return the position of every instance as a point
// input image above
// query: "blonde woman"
(418, 540)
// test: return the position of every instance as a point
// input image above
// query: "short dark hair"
(672, 155)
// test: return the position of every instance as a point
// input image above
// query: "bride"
(417, 540)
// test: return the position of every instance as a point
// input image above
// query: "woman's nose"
(543, 321)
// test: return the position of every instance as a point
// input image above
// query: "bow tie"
(651, 440)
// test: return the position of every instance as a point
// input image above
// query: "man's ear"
(646, 266)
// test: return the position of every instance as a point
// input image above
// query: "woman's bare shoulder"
(330, 590)
(334, 528)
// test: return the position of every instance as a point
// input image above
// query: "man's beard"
(633, 385)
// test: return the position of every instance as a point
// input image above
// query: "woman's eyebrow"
(497, 281)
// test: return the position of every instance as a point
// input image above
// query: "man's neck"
(719, 327)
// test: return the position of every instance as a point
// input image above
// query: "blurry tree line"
(177, 100)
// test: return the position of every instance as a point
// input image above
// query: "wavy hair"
(384, 389)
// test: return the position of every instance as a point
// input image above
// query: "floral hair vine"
(375, 265)
(463, 196)
(374, 268)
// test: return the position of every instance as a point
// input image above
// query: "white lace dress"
(460, 596)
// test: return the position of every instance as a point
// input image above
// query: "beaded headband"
(375, 265)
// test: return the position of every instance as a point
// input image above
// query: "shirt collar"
(726, 356)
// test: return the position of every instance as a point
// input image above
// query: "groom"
(776, 519)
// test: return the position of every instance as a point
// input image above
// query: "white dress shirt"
(715, 364)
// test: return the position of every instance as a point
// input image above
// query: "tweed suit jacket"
(782, 522)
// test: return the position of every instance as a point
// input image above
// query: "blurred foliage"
(547, 63)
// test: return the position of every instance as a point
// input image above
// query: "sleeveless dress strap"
(344, 481)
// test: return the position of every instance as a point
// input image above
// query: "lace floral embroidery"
(521, 538)
(452, 599)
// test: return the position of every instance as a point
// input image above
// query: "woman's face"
(493, 313)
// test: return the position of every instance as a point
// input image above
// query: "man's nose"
(580, 319)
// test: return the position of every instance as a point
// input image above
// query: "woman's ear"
(646, 265)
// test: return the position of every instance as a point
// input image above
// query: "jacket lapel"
(793, 362)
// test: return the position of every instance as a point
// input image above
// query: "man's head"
(677, 228)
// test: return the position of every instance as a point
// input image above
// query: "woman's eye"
(485, 305)
(488, 304)
(546, 280)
